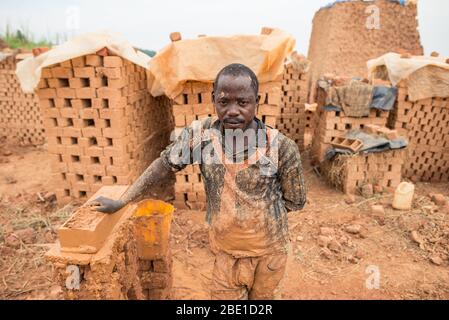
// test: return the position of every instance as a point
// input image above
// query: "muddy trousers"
(247, 278)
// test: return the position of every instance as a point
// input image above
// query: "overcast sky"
(147, 24)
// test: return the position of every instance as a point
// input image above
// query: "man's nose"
(233, 110)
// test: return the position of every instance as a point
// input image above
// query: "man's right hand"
(106, 205)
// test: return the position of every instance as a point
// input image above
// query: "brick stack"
(195, 103)
(112, 255)
(335, 124)
(426, 125)
(350, 173)
(295, 121)
(117, 273)
(311, 120)
(102, 125)
(20, 119)
(156, 277)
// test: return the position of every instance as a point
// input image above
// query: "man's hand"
(155, 172)
(106, 205)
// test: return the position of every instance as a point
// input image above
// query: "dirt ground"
(335, 246)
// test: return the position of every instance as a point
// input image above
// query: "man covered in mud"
(252, 176)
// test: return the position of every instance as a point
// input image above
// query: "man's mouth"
(233, 121)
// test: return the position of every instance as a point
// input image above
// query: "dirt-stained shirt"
(247, 202)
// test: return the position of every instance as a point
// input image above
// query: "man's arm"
(292, 177)
(173, 159)
(157, 171)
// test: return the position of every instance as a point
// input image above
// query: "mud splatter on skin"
(156, 172)
(271, 199)
(243, 202)
(260, 203)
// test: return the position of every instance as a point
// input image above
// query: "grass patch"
(23, 39)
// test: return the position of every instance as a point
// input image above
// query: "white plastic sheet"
(29, 70)
(424, 77)
(3, 56)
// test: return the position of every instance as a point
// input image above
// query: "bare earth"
(410, 267)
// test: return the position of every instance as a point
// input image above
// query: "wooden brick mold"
(426, 125)
(124, 256)
(103, 127)
(20, 118)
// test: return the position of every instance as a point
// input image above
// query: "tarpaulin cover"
(424, 77)
(202, 58)
(401, 2)
(384, 98)
(29, 70)
(3, 56)
(355, 98)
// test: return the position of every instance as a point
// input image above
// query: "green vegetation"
(150, 53)
(23, 39)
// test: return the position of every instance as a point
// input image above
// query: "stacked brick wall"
(102, 125)
(426, 125)
(295, 121)
(335, 124)
(350, 173)
(20, 118)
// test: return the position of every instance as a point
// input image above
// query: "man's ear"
(213, 96)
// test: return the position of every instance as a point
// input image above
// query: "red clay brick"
(86, 72)
(112, 62)
(60, 72)
(94, 60)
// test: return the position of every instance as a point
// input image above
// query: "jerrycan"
(403, 196)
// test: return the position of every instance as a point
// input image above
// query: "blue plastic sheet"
(331, 107)
(330, 5)
(384, 98)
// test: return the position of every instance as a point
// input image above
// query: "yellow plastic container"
(152, 228)
(403, 197)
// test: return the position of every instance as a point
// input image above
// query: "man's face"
(235, 101)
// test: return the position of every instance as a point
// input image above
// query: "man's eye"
(243, 103)
(223, 102)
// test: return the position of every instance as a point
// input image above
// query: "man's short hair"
(237, 69)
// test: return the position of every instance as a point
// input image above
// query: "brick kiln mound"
(341, 43)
